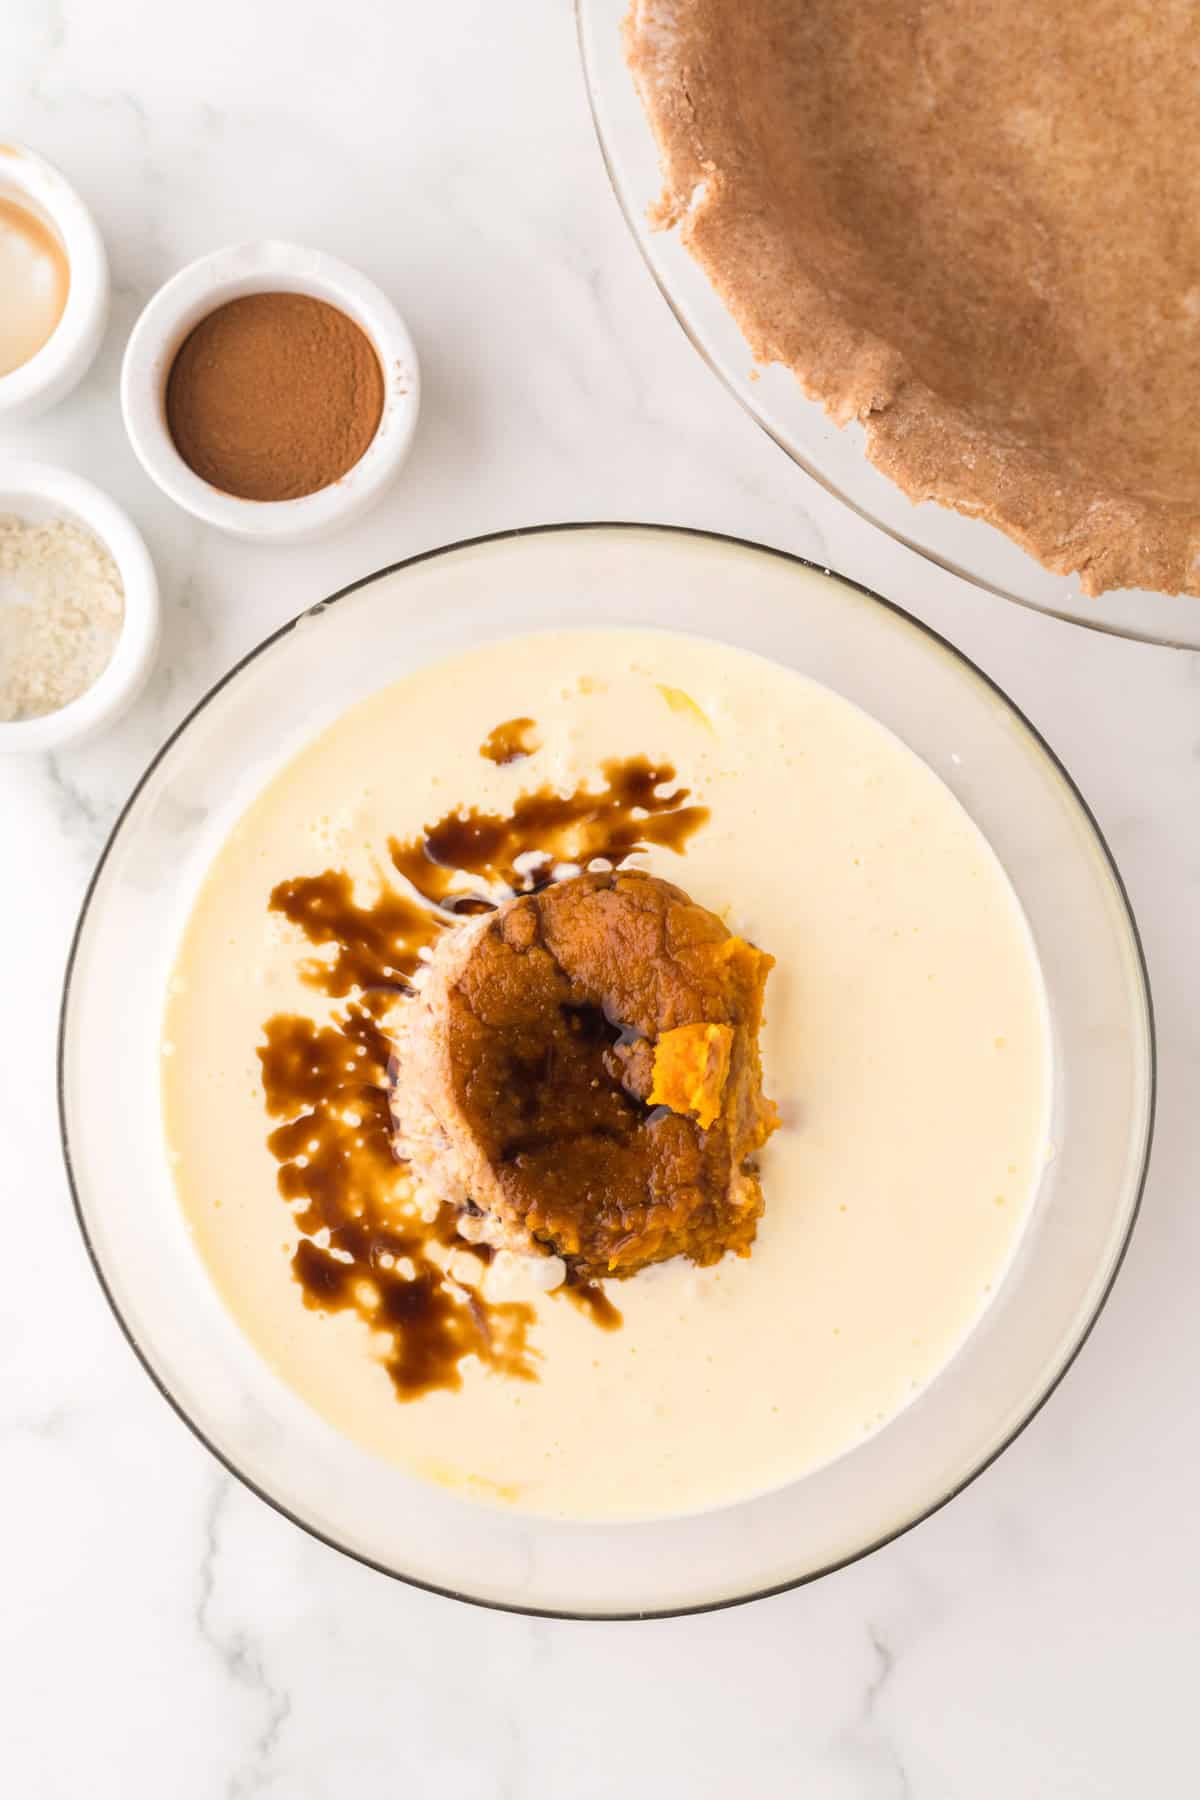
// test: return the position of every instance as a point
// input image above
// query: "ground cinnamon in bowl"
(274, 396)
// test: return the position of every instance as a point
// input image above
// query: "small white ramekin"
(37, 492)
(263, 268)
(68, 352)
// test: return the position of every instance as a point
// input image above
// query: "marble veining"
(240, 1656)
(162, 1630)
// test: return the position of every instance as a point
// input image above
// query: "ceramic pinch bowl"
(260, 268)
(30, 181)
(36, 492)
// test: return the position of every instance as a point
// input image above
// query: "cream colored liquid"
(906, 1043)
(34, 282)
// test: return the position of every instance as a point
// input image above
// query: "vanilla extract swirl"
(327, 1085)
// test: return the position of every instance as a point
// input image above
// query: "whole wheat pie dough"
(974, 228)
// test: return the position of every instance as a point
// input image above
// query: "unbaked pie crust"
(976, 229)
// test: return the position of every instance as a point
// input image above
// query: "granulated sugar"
(61, 610)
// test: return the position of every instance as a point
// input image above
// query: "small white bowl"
(36, 492)
(263, 268)
(68, 352)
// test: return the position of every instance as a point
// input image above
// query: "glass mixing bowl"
(431, 607)
(836, 458)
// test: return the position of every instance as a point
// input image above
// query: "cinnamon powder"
(274, 396)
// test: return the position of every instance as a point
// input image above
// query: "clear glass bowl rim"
(1151, 1073)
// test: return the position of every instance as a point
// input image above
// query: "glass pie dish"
(834, 457)
(420, 611)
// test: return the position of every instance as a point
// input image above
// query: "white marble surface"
(163, 1632)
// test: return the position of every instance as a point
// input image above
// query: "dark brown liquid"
(375, 946)
(590, 1298)
(511, 741)
(340, 1176)
(612, 822)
